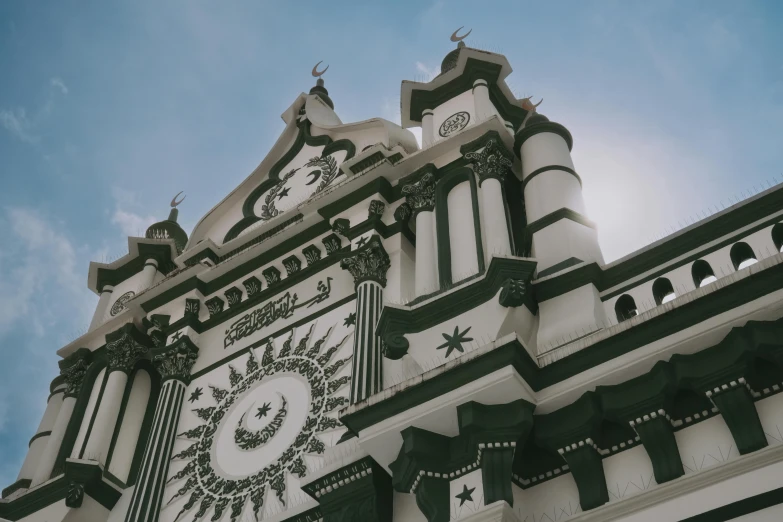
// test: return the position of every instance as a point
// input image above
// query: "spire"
(319, 89)
(450, 61)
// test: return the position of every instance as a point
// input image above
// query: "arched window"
(702, 273)
(663, 291)
(625, 308)
(742, 255)
(777, 236)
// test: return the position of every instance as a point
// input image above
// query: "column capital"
(176, 360)
(490, 162)
(420, 191)
(73, 369)
(368, 263)
(125, 346)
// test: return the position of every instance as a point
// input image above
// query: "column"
(420, 196)
(427, 128)
(491, 166)
(73, 369)
(174, 363)
(103, 303)
(148, 273)
(123, 347)
(484, 107)
(41, 438)
(368, 266)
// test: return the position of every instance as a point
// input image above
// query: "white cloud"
(17, 123)
(428, 72)
(60, 84)
(131, 224)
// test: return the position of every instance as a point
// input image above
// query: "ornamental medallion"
(454, 123)
(119, 304)
(261, 430)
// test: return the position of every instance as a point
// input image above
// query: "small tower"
(169, 228)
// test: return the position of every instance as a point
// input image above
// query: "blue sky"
(108, 109)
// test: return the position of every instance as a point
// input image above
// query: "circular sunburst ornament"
(262, 428)
(454, 123)
(119, 304)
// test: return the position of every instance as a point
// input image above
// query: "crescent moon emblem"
(316, 174)
(174, 201)
(455, 38)
(316, 73)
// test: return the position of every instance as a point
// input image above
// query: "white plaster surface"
(136, 407)
(462, 236)
(91, 404)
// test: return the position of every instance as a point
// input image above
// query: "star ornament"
(465, 495)
(454, 342)
(283, 193)
(263, 410)
(195, 395)
(350, 320)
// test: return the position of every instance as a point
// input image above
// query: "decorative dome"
(450, 61)
(169, 229)
(536, 118)
(320, 91)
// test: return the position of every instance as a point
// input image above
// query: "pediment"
(305, 161)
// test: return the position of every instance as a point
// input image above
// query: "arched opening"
(663, 291)
(625, 308)
(742, 256)
(777, 236)
(702, 273)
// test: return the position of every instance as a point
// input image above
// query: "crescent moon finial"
(455, 38)
(316, 73)
(174, 201)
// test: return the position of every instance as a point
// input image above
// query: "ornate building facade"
(369, 330)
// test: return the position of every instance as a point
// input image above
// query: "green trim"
(43, 496)
(94, 412)
(357, 492)
(740, 507)
(146, 426)
(514, 354)
(558, 168)
(529, 131)
(395, 323)
(208, 288)
(258, 298)
(475, 69)
(38, 436)
(379, 186)
(19, 484)
(557, 267)
(74, 424)
(91, 476)
(447, 182)
(303, 137)
(263, 341)
(554, 217)
(114, 276)
(736, 407)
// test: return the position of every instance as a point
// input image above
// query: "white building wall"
(80, 438)
(125, 447)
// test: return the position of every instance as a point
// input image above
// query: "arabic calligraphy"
(282, 307)
(248, 439)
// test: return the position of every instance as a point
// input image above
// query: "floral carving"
(74, 376)
(376, 209)
(292, 264)
(272, 275)
(421, 194)
(332, 243)
(252, 286)
(369, 263)
(214, 305)
(124, 347)
(328, 171)
(312, 254)
(513, 293)
(268, 209)
(176, 360)
(489, 162)
(403, 213)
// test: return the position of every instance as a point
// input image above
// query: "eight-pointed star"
(195, 395)
(263, 410)
(465, 495)
(454, 342)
